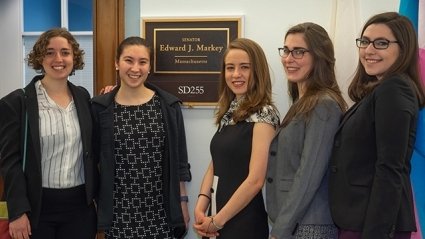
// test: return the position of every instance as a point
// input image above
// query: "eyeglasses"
(297, 53)
(379, 44)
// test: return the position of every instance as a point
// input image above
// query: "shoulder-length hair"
(38, 52)
(259, 92)
(321, 79)
(407, 62)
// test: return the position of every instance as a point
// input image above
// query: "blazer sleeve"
(395, 112)
(319, 135)
(184, 166)
(96, 133)
(11, 129)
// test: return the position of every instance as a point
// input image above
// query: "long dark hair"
(321, 80)
(407, 63)
(133, 41)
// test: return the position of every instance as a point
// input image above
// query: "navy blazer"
(23, 190)
(370, 188)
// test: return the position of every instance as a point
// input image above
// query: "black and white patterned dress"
(138, 186)
(231, 148)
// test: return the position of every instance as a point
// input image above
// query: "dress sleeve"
(268, 114)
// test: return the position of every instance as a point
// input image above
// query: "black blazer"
(23, 189)
(175, 167)
(370, 188)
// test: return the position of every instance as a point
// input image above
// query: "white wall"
(265, 22)
(11, 73)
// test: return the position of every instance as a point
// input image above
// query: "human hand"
(107, 89)
(199, 215)
(204, 227)
(20, 228)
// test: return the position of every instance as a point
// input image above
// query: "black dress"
(138, 186)
(231, 152)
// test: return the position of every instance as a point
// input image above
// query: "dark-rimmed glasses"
(379, 44)
(297, 53)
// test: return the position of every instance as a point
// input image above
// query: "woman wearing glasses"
(370, 191)
(297, 185)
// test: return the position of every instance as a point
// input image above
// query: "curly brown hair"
(38, 52)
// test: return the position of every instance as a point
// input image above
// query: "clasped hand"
(204, 227)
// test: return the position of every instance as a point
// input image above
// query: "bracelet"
(215, 225)
(201, 194)
(184, 199)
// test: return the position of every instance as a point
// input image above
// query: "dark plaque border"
(188, 54)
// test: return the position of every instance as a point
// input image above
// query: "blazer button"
(273, 153)
(269, 180)
(334, 169)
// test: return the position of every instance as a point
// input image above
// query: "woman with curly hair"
(50, 194)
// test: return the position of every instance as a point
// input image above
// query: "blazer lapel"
(348, 114)
(83, 112)
(31, 106)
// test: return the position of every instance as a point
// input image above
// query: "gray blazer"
(297, 174)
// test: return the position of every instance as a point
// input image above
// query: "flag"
(417, 174)
(344, 29)
(415, 11)
(421, 38)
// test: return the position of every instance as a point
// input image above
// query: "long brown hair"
(259, 92)
(321, 80)
(407, 62)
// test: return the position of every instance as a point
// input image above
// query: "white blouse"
(61, 147)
